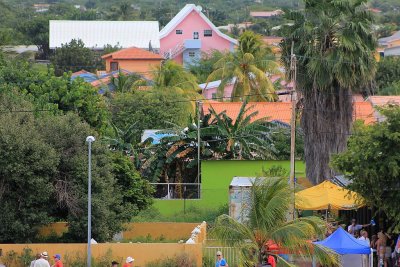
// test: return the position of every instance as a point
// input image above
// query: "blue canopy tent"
(345, 244)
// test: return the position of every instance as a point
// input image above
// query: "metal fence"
(177, 190)
(230, 254)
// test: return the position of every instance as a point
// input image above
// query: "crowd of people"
(386, 247)
(42, 260)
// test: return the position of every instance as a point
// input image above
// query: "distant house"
(390, 46)
(209, 90)
(97, 34)
(266, 14)
(240, 26)
(134, 60)
(189, 33)
(382, 101)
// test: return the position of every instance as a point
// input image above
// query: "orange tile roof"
(384, 100)
(133, 53)
(364, 111)
(280, 111)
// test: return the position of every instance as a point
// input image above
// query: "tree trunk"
(326, 121)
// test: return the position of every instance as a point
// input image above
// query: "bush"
(181, 260)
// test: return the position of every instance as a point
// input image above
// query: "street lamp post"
(89, 140)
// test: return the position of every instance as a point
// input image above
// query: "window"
(214, 95)
(207, 33)
(192, 54)
(114, 66)
(196, 35)
(178, 31)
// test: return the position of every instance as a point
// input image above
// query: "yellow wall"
(142, 253)
(156, 230)
(133, 230)
(394, 43)
(144, 67)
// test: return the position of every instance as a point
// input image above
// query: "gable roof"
(133, 53)
(384, 41)
(183, 14)
(97, 34)
(384, 100)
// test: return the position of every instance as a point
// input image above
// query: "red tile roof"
(133, 53)
(384, 100)
(281, 111)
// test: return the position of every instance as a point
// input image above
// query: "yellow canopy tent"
(327, 195)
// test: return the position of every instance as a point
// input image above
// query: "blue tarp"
(344, 243)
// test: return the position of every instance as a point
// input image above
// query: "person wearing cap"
(129, 262)
(220, 260)
(114, 264)
(58, 262)
(42, 262)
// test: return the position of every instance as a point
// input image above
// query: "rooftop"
(384, 100)
(97, 34)
(133, 53)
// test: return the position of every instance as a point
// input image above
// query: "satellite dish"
(199, 8)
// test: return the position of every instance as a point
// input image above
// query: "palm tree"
(127, 82)
(242, 138)
(247, 67)
(335, 48)
(173, 75)
(270, 200)
(121, 139)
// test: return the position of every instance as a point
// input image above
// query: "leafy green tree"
(36, 31)
(127, 82)
(372, 163)
(154, 109)
(56, 93)
(266, 223)
(73, 56)
(247, 66)
(27, 165)
(280, 138)
(388, 72)
(334, 45)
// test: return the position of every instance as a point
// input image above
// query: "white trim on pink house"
(182, 15)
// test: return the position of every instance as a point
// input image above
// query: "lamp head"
(90, 139)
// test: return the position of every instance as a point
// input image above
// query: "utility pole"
(293, 70)
(199, 107)
(89, 140)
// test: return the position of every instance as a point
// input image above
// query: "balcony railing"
(177, 190)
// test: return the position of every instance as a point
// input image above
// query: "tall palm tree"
(247, 67)
(266, 224)
(173, 75)
(335, 48)
(125, 83)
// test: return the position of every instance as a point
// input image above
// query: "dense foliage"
(388, 76)
(372, 163)
(43, 157)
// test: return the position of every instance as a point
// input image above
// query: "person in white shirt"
(354, 227)
(364, 237)
(42, 262)
(33, 262)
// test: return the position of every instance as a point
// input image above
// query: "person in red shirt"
(58, 262)
(129, 262)
(271, 261)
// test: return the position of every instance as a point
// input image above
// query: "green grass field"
(216, 177)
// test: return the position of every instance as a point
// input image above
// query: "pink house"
(209, 90)
(189, 33)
